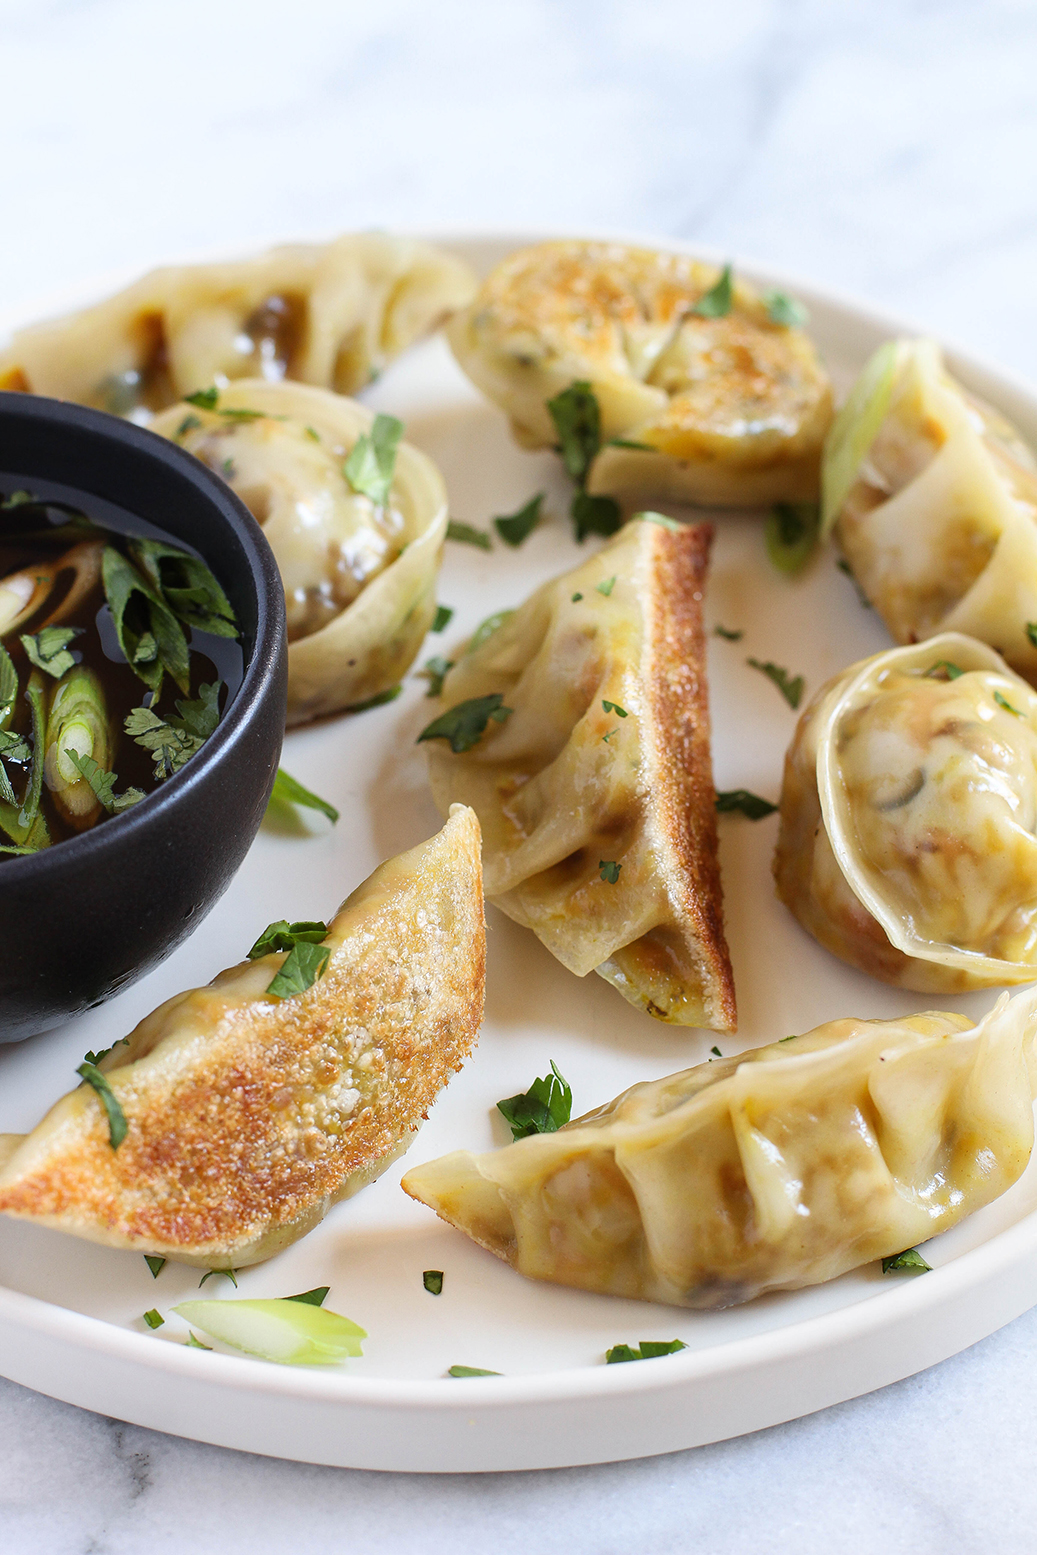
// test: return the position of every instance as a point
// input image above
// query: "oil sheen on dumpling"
(602, 769)
(331, 314)
(249, 1116)
(730, 410)
(932, 495)
(782, 1167)
(359, 576)
(907, 842)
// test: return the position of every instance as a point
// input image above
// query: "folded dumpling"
(591, 772)
(781, 1167)
(332, 314)
(719, 406)
(248, 1115)
(359, 559)
(932, 495)
(907, 841)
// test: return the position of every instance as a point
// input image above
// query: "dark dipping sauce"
(57, 541)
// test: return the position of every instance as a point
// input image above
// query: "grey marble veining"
(886, 151)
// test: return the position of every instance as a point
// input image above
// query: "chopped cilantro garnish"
(372, 460)
(288, 790)
(432, 1279)
(436, 671)
(577, 418)
(791, 533)
(153, 1319)
(607, 737)
(196, 1344)
(312, 433)
(48, 649)
(465, 724)
(472, 1371)
(609, 870)
(283, 935)
(513, 528)
(647, 1350)
(910, 1258)
(117, 1125)
(614, 707)
(545, 1107)
(174, 740)
(378, 700)
(791, 689)
(751, 805)
(468, 535)
(155, 1264)
(187, 585)
(716, 1051)
(205, 399)
(844, 566)
(1031, 632)
(731, 637)
(576, 598)
(443, 617)
(229, 470)
(189, 424)
(595, 515)
(785, 310)
(149, 633)
(231, 1274)
(1003, 702)
(103, 784)
(943, 669)
(716, 303)
(628, 442)
(13, 747)
(303, 965)
(312, 1298)
(606, 586)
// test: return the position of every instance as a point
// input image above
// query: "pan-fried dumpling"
(332, 314)
(933, 499)
(249, 1115)
(595, 795)
(730, 409)
(908, 816)
(781, 1167)
(359, 572)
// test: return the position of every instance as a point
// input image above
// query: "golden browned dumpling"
(781, 1167)
(332, 314)
(729, 409)
(248, 1115)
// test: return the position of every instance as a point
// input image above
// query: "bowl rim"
(259, 669)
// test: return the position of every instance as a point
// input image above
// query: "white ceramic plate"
(70, 1313)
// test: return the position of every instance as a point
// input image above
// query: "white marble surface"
(886, 151)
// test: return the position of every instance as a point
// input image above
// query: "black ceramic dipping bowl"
(82, 919)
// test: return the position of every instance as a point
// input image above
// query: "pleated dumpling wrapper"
(932, 496)
(249, 1115)
(359, 558)
(907, 838)
(713, 401)
(332, 314)
(595, 793)
(782, 1167)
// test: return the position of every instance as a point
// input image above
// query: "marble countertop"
(886, 152)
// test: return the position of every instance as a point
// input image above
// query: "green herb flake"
(432, 1279)
(205, 399)
(577, 419)
(155, 1264)
(1031, 632)
(487, 628)
(662, 519)
(513, 528)
(543, 1109)
(443, 617)
(283, 935)
(911, 1258)
(435, 671)
(230, 1274)
(149, 633)
(379, 699)
(187, 585)
(240, 413)
(595, 516)
(791, 534)
(48, 649)
(614, 707)
(628, 442)
(288, 790)
(1003, 702)
(607, 737)
(791, 1038)
(716, 1052)
(153, 1319)
(729, 636)
(189, 424)
(372, 460)
(943, 669)
(98, 1058)
(716, 303)
(576, 598)
(609, 870)
(103, 784)
(174, 740)
(312, 1298)
(785, 310)
(196, 1344)
(465, 724)
(751, 805)
(117, 1125)
(228, 469)
(469, 535)
(791, 689)
(472, 1371)
(844, 566)
(647, 1350)
(302, 967)
(14, 748)
(312, 433)
(606, 586)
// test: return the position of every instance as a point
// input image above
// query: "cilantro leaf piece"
(302, 967)
(228, 469)
(513, 528)
(432, 1279)
(372, 459)
(443, 617)
(311, 1298)
(96, 1058)
(607, 737)
(1003, 702)
(8, 687)
(205, 399)
(288, 790)
(716, 1051)
(13, 747)
(103, 784)
(48, 649)
(910, 1258)
(117, 1125)
(751, 805)
(149, 633)
(169, 742)
(614, 707)
(24, 824)
(844, 566)
(716, 303)
(791, 534)
(487, 628)
(468, 535)
(943, 669)
(153, 1319)
(628, 442)
(577, 418)
(296, 1333)
(785, 310)
(312, 434)
(606, 586)
(283, 935)
(187, 585)
(576, 598)
(436, 671)
(378, 700)
(731, 637)
(791, 689)
(609, 870)
(465, 724)
(189, 424)
(647, 1350)
(196, 1344)
(231, 1274)
(155, 1264)
(1031, 632)
(595, 516)
(472, 1371)
(542, 1109)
